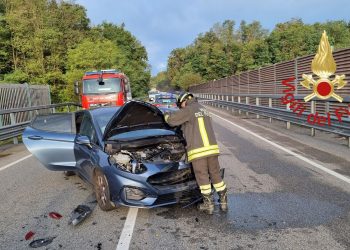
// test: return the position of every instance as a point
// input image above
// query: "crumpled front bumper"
(180, 193)
(154, 194)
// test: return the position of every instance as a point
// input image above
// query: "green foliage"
(292, 39)
(5, 48)
(51, 42)
(16, 76)
(224, 50)
(188, 79)
(133, 59)
(92, 55)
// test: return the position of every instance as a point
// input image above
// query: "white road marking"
(316, 165)
(125, 237)
(15, 162)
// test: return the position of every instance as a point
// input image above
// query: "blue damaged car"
(129, 154)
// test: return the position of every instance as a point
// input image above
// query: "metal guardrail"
(286, 115)
(15, 129)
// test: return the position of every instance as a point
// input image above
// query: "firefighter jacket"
(197, 129)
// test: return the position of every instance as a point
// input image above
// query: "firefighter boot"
(223, 199)
(208, 204)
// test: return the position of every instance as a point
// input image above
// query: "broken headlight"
(126, 162)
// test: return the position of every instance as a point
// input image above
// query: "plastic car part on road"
(79, 214)
(55, 215)
(41, 242)
(29, 235)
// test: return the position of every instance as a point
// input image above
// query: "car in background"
(152, 95)
(129, 154)
(165, 101)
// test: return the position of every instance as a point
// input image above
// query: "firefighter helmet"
(183, 97)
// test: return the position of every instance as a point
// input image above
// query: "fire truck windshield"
(92, 86)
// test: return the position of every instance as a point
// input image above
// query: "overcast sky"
(162, 25)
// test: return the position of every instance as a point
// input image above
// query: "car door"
(82, 151)
(50, 138)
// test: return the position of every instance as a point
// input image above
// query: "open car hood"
(135, 115)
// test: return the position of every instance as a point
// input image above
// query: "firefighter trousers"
(207, 172)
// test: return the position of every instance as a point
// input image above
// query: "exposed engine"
(131, 160)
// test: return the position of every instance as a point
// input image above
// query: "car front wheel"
(102, 191)
(68, 173)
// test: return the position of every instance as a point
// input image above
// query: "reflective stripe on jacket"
(197, 129)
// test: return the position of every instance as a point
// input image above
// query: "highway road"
(287, 190)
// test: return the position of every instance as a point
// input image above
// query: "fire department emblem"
(324, 66)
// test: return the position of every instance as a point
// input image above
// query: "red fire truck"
(104, 88)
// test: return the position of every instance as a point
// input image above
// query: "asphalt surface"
(276, 200)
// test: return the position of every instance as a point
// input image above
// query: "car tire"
(102, 194)
(69, 173)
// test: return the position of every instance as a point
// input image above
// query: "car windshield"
(166, 100)
(103, 117)
(111, 85)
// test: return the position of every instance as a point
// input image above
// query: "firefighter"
(202, 149)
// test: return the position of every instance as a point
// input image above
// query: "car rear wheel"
(102, 192)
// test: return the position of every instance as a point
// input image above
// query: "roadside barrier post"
(313, 110)
(13, 122)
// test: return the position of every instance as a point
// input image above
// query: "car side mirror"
(83, 140)
(76, 88)
(127, 89)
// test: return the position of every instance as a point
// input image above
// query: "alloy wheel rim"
(101, 184)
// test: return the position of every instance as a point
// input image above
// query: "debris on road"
(99, 246)
(29, 235)
(55, 215)
(79, 214)
(193, 202)
(41, 242)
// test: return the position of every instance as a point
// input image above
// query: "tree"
(40, 34)
(251, 32)
(213, 55)
(188, 79)
(337, 31)
(87, 56)
(5, 37)
(292, 39)
(254, 54)
(161, 82)
(176, 61)
(94, 55)
(51, 42)
(135, 66)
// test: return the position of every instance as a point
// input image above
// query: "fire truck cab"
(104, 88)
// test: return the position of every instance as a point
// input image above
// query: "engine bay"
(131, 159)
